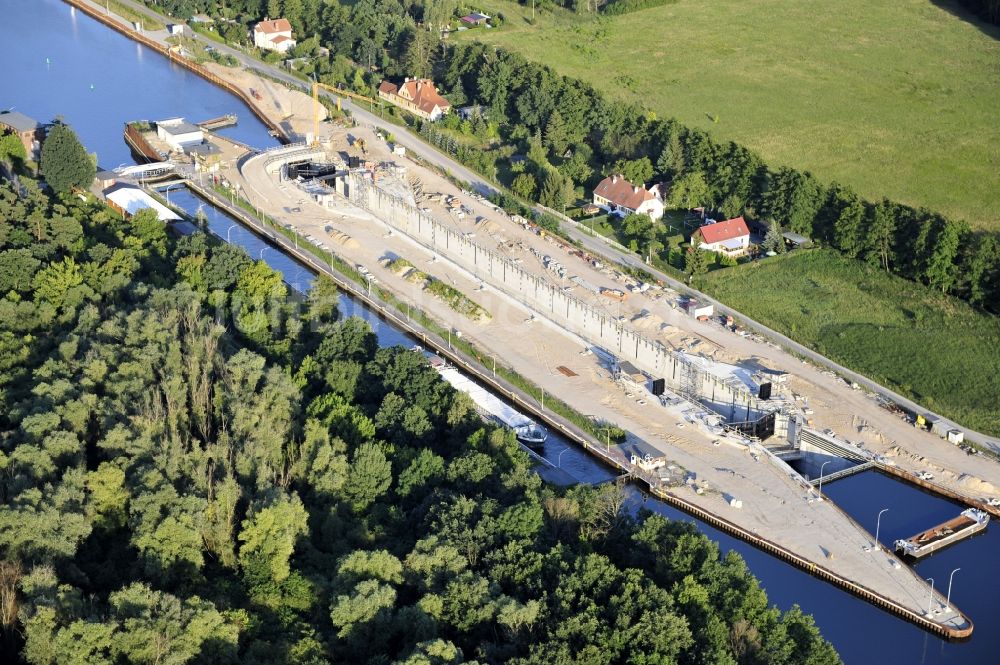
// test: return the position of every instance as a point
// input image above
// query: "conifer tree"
(65, 162)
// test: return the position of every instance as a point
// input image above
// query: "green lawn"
(933, 348)
(893, 97)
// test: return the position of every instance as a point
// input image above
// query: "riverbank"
(122, 26)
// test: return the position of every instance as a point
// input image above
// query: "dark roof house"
(619, 195)
(29, 130)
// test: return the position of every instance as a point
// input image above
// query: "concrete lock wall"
(725, 397)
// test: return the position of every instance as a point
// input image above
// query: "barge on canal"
(970, 522)
(527, 431)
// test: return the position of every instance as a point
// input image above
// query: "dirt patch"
(344, 240)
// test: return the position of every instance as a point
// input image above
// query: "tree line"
(199, 469)
(573, 135)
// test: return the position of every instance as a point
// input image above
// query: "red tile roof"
(621, 192)
(727, 230)
(276, 25)
(421, 92)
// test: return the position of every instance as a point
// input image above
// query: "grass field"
(934, 349)
(892, 97)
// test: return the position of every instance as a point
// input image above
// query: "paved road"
(596, 245)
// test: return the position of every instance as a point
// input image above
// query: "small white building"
(178, 133)
(620, 197)
(274, 35)
(128, 200)
(731, 237)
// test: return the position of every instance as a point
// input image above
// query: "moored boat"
(527, 431)
(970, 522)
(531, 434)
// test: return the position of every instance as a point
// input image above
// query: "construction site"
(721, 418)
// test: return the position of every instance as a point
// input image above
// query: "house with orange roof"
(418, 96)
(731, 237)
(620, 197)
(273, 35)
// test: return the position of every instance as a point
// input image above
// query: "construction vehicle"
(614, 294)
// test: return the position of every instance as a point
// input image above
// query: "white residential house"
(731, 237)
(274, 35)
(619, 196)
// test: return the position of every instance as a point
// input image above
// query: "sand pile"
(646, 320)
(976, 484)
(344, 240)
(489, 226)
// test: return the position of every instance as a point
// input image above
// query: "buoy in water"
(91, 86)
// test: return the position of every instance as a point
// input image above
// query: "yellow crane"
(339, 94)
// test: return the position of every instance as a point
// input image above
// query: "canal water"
(60, 62)
(131, 82)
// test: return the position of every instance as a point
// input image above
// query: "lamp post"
(494, 365)
(821, 476)
(559, 458)
(930, 599)
(948, 602)
(233, 226)
(878, 523)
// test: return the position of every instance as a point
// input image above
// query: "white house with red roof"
(418, 96)
(731, 237)
(273, 35)
(620, 197)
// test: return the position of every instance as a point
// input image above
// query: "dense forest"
(198, 468)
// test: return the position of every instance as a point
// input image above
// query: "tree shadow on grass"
(963, 9)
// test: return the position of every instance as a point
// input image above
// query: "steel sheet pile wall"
(590, 323)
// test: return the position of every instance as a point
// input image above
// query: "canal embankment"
(122, 26)
(473, 365)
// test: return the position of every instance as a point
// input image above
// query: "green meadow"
(895, 98)
(935, 349)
